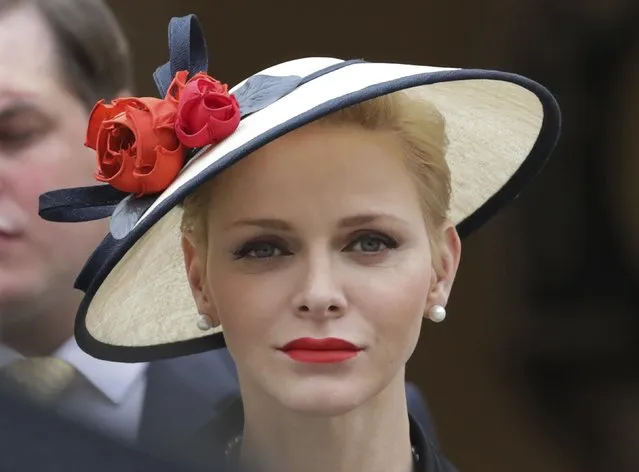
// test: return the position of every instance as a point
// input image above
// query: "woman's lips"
(320, 351)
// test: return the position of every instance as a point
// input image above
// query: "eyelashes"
(372, 242)
(262, 248)
(364, 242)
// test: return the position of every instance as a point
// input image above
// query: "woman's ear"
(196, 273)
(444, 268)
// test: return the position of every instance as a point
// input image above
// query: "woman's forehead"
(319, 166)
(315, 152)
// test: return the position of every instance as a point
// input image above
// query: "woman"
(317, 208)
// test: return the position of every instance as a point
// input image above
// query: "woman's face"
(318, 235)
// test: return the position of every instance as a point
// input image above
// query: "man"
(57, 59)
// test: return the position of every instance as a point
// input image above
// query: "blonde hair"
(420, 128)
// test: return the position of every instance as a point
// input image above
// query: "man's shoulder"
(35, 439)
(217, 359)
(184, 393)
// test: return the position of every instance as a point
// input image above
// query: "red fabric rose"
(206, 112)
(176, 87)
(136, 145)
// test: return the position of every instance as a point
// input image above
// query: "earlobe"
(443, 277)
(196, 276)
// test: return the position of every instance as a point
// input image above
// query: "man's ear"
(445, 264)
(196, 273)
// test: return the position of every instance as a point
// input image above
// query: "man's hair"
(94, 59)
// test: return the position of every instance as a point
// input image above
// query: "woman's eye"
(260, 250)
(371, 243)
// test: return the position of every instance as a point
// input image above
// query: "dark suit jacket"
(32, 439)
(182, 395)
(186, 393)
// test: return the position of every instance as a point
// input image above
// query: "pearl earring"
(205, 322)
(437, 313)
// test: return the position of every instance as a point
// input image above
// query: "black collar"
(427, 456)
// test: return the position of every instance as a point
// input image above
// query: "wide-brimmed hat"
(153, 152)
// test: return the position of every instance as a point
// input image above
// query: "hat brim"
(502, 128)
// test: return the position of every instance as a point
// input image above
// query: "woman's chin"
(324, 401)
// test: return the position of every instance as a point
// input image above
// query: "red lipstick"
(320, 351)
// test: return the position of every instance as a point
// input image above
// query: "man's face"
(42, 132)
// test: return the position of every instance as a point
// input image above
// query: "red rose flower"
(177, 85)
(136, 145)
(206, 112)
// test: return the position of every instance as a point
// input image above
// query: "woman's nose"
(319, 293)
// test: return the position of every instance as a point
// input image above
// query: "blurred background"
(536, 366)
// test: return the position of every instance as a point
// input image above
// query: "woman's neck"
(375, 437)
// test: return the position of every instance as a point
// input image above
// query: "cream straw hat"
(138, 305)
